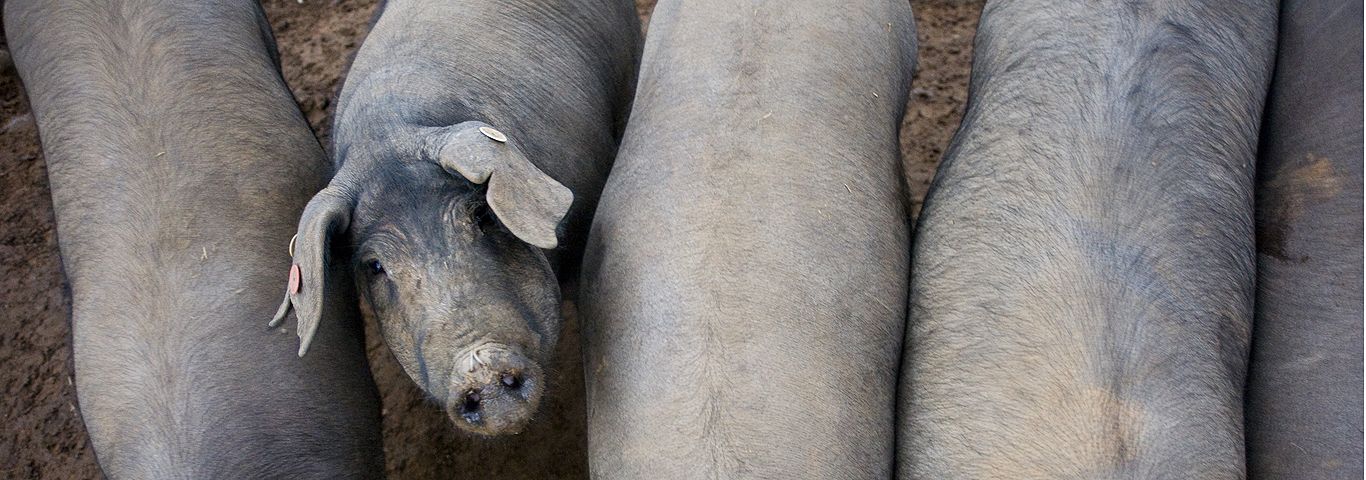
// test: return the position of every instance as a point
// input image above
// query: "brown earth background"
(41, 434)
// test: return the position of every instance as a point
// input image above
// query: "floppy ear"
(327, 214)
(525, 199)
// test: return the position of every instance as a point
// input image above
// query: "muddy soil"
(41, 434)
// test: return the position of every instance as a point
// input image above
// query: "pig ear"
(327, 215)
(525, 199)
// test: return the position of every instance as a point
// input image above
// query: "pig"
(467, 132)
(1083, 270)
(178, 160)
(1304, 390)
(743, 291)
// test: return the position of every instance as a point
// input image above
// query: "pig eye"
(375, 267)
(483, 217)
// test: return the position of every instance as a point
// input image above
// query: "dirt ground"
(41, 435)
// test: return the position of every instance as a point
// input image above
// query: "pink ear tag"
(294, 279)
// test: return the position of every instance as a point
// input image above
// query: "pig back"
(1304, 391)
(746, 275)
(179, 162)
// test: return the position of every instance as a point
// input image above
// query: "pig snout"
(494, 390)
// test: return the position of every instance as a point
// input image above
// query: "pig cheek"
(379, 304)
(376, 304)
(367, 309)
(370, 305)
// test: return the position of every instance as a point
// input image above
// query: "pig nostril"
(512, 381)
(472, 400)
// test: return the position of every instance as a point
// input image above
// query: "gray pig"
(1304, 392)
(465, 133)
(1082, 280)
(178, 159)
(744, 287)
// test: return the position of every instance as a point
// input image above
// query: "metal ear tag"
(493, 134)
(294, 279)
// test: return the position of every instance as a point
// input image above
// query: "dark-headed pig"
(471, 136)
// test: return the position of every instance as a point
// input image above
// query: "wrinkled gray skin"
(743, 286)
(452, 235)
(1082, 281)
(173, 258)
(1304, 392)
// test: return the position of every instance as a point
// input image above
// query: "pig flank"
(471, 136)
(178, 160)
(1083, 269)
(1304, 387)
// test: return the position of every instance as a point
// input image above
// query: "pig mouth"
(494, 390)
